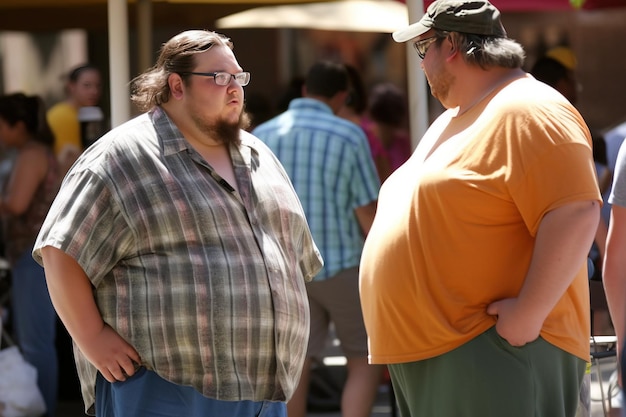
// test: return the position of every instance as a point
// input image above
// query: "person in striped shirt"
(329, 162)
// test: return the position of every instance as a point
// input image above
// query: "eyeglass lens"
(422, 46)
(223, 78)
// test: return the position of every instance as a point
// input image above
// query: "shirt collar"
(305, 103)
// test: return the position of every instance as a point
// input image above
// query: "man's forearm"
(614, 271)
(563, 241)
(71, 294)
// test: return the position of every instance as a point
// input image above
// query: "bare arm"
(562, 243)
(28, 172)
(601, 236)
(614, 272)
(365, 216)
(72, 296)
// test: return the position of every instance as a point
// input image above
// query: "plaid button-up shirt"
(206, 284)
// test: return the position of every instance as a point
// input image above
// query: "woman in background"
(388, 113)
(83, 89)
(26, 197)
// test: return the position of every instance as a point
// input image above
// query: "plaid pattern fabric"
(207, 284)
(329, 162)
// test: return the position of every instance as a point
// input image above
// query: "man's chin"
(228, 133)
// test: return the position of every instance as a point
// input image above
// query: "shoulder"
(255, 143)
(34, 154)
(61, 110)
(530, 109)
(268, 125)
(121, 146)
(33, 161)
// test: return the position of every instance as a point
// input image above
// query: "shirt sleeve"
(85, 222)
(365, 182)
(553, 166)
(618, 190)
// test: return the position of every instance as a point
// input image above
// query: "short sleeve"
(364, 179)
(561, 174)
(618, 190)
(85, 222)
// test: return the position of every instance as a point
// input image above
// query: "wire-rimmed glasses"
(223, 78)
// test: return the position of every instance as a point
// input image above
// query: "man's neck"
(483, 84)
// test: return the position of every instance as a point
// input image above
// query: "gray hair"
(486, 51)
(177, 56)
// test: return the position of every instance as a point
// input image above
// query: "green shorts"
(487, 377)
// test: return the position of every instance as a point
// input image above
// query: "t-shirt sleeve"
(562, 174)
(618, 190)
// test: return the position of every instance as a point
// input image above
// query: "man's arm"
(601, 236)
(29, 171)
(614, 272)
(72, 295)
(563, 240)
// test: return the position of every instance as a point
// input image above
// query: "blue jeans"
(146, 394)
(34, 322)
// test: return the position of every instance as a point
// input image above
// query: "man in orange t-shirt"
(473, 277)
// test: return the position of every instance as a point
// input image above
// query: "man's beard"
(226, 132)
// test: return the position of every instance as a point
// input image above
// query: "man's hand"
(513, 326)
(111, 354)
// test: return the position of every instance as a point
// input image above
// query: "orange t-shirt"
(455, 229)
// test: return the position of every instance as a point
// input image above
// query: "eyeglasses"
(422, 46)
(223, 78)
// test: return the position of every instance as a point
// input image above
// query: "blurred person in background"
(355, 110)
(388, 113)
(329, 162)
(26, 199)
(557, 68)
(614, 270)
(83, 88)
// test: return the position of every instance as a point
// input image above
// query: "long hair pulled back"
(177, 56)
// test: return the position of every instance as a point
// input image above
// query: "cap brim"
(410, 32)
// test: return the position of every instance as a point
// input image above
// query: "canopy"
(549, 5)
(119, 48)
(348, 15)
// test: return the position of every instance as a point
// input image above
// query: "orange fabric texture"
(454, 229)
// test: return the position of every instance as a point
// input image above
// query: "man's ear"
(177, 86)
(450, 49)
